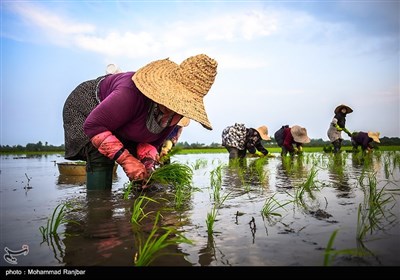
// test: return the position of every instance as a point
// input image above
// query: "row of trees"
(31, 147)
(385, 141)
(40, 147)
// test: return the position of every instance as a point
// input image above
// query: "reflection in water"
(71, 180)
(102, 238)
(78, 180)
(207, 253)
(105, 234)
(339, 178)
(233, 178)
(366, 162)
(56, 245)
(290, 172)
(240, 178)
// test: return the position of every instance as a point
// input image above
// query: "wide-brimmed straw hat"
(184, 122)
(374, 136)
(263, 130)
(300, 134)
(340, 107)
(181, 88)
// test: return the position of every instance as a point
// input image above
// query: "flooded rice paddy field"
(314, 210)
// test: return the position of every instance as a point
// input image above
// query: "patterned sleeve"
(234, 136)
(253, 142)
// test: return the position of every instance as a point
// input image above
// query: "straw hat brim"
(302, 139)
(300, 134)
(374, 136)
(340, 107)
(262, 130)
(154, 81)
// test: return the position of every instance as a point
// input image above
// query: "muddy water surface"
(100, 231)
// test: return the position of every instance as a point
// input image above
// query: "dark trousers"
(236, 156)
(235, 153)
(337, 145)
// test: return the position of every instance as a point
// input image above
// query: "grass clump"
(138, 213)
(57, 219)
(330, 253)
(271, 205)
(152, 247)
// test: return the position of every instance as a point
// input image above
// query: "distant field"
(276, 150)
(216, 150)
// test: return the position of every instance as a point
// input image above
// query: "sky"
(279, 62)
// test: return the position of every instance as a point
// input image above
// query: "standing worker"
(125, 117)
(337, 125)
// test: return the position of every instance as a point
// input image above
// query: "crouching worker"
(365, 140)
(125, 117)
(238, 139)
(293, 139)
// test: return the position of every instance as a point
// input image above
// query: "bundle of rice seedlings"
(175, 174)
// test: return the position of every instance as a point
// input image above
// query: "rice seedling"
(338, 164)
(287, 164)
(138, 213)
(271, 205)
(212, 216)
(309, 185)
(257, 166)
(375, 212)
(387, 167)
(216, 182)
(210, 220)
(330, 253)
(216, 161)
(200, 163)
(57, 219)
(396, 160)
(306, 188)
(148, 251)
(362, 159)
(127, 189)
(174, 174)
(390, 165)
(362, 177)
(181, 196)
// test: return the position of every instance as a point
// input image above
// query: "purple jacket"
(362, 139)
(123, 110)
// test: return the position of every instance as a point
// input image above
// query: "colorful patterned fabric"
(242, 138)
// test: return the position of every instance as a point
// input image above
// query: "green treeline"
(31, 147)
(40, 147)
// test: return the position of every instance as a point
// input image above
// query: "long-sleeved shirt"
(242, 138)
(123, 110)
(362, 139)
(333, 133)
(289, 140)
